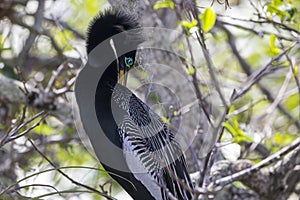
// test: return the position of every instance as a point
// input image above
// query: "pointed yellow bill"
(122, 78)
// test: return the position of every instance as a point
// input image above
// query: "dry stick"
(247, 69)
(12, 134)
(49, 62)
(27, 130)
(219, 129)
(197, 191)
(245, 108)
(276, 156)
(66, 176)
(65, 89)
(212, 74)
(60, 27)
(192, 7)
(288, 168)
(38, 17)
(292, 69)
(9, 188)
(53, 78)
(64, 25)
(229, 179)
(267, 20)
(35, 185)
(109, 182)
(17, 129)
(211, 154)
(61, 192)
(278, 99)
(234, 97)
(226, 2)
(289, 60)
(259, 32)
(21, 121)
(257, 75)
(254, 7)
(264, 21)
(201, 40)
(201, 100)
(16, 19)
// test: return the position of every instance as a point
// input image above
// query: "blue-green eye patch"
(128, 62)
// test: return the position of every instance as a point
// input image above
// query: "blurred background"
(238, 99)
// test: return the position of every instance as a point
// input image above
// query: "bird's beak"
(122, 74)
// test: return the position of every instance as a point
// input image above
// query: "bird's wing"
(134, 150)
(152, 153)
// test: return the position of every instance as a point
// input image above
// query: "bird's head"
(126, 62)
(104, 27)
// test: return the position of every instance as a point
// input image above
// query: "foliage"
(250, 59)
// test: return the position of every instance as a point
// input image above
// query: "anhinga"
(155, 166)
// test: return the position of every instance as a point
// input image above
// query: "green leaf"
(163, 4)
(237, 133)
(166, 120)
(284, 12)
(296, 70)
(44, 129)
(155, 98)
(283, 138)
(188, 24)
(273, 49)
(272, 40)
(2, 40)
(230, 129)
(208, 19)
(292, 102)
(277, 2)
(239, 184)
(63, 38)
(2, 126)
(191, 71)
(176, 113)
(231, 109)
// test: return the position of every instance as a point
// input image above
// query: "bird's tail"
(108, 24)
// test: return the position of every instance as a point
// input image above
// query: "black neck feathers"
(103, 27)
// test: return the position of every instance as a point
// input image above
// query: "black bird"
(156, 168)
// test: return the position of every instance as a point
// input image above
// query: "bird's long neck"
(107, 110)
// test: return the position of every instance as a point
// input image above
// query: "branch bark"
(13, 91)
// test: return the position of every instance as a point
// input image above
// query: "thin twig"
(245, 108)
(12, 134)
(69, 178)
(27, 130)
(258, 32)
(53, 78)
(247, 68)
(38, 17)
(276, 156)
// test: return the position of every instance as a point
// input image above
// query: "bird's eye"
(128, 62)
